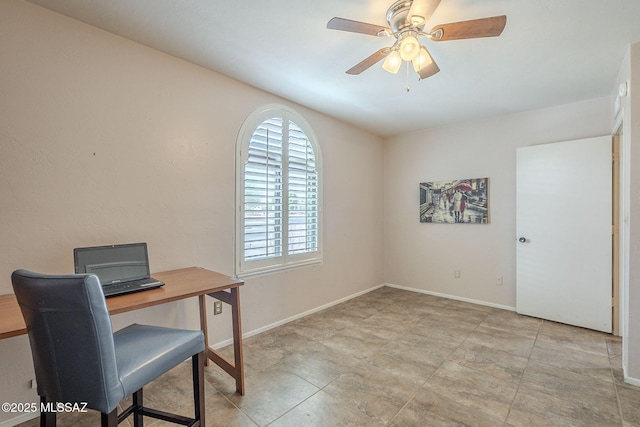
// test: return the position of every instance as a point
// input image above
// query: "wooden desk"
(179, 284)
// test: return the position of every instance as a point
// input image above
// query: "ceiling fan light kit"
(406, 19)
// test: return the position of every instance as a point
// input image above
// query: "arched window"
(278, 223)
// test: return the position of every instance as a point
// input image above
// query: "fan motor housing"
(397, 16)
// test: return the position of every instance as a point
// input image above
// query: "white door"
(564, 228)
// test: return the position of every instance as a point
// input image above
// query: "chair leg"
(197, 364)
(110, 419)
(138, 405)
(139, 411)
(47, 418)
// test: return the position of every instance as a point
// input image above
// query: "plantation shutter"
(278, 191)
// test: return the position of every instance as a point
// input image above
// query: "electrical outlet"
(34, 384)
(500, 281)
(217, 307)
(456, 274)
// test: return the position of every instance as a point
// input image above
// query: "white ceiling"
(551, 52)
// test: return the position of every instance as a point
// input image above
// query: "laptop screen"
(113, 264)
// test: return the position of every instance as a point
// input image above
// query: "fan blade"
(368, 62)
(421, 10)
(484, 27)
(429, 71)
(358, 27)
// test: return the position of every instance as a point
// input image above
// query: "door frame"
(621, 130)
(615, 238)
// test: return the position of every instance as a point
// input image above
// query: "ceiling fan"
(406, 19)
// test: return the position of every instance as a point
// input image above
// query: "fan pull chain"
(408, 87)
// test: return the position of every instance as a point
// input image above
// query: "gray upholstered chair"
(78, 359)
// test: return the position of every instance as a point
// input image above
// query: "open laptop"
(122, 269)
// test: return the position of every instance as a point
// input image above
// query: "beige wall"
(425, 256)
(106, 141)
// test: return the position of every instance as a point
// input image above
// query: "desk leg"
(203, 323)
(237, 340)
(235, 369)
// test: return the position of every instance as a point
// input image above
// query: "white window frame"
(285, 261)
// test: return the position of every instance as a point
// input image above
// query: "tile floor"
(399, 358)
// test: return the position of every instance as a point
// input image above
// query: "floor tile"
(359, 343)
(532, 406)
(574, 338)
(410, 363)
(444, 329)
(271, 394)
(499, 364)
(429, 408)
(629, 403)
(500, 340)
(568, 383)
(568, 357)
(373, 391)
(318, 364)
(322, 410)
(478, 391)
(514, 323)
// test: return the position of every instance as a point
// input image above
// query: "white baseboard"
(454, 297)
(631, 380)
(297, 316)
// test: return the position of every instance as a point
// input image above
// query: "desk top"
(179, 284)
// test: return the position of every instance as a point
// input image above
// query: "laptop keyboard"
(132, 286)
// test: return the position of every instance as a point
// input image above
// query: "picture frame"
(459, 201)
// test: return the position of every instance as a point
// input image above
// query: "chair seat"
(143, 352)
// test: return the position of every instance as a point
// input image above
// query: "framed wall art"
(461, 201)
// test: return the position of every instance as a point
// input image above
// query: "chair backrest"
(71, 338)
